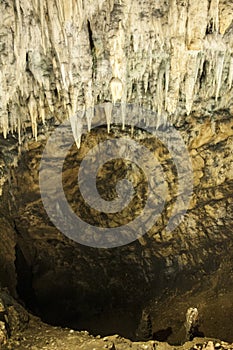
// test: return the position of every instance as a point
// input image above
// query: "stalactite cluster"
(59, 57)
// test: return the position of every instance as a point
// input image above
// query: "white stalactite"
(160, 93)
(193, 64)
(108, 113)
(32, 107)
(51, 62)
(230, 76)
(77, 127)
(214, 14)
(123, 115)
(89, 103)
(116, 89)
(219, 70)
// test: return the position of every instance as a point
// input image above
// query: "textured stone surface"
(40, 336)
(121, 282)
(174, 57)
(56, 58)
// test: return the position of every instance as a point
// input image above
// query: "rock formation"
(63, 60)
(57, 58)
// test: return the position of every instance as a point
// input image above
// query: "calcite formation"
(59, 57)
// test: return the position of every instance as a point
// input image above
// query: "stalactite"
(81, 12)
(123, 115)
(136, 41)
(193, 64)
(108, 114)
(32, 107)
(50, 58)
(145, 81)
(89, 117)
(4, 124)
(230, 76)
(89, 103)
(42, 21)
(60, 7)
(160, 92)
(19, 131)
(63, 74)
(17, 3)
(219, 71)
(76, 122)
(214, 15)
(74, 99)
(116, 89)
(41, 109)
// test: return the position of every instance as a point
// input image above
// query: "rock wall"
(175, 58)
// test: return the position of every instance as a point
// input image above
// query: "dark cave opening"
(104, 310)
(112, 299)
(24, 280)
(106, 291)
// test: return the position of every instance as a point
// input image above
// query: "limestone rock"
(192, 322)
(3, 323)
(3, 334)
(172, 57)
(144, 330)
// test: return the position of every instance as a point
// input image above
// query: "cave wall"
(58, 58)
(49, 268)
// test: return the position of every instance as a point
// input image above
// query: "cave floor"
(40, 336)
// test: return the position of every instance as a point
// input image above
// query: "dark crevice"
(91, 41)
(24, 279)
(210, 27)
(92, 48)
(204, 73)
